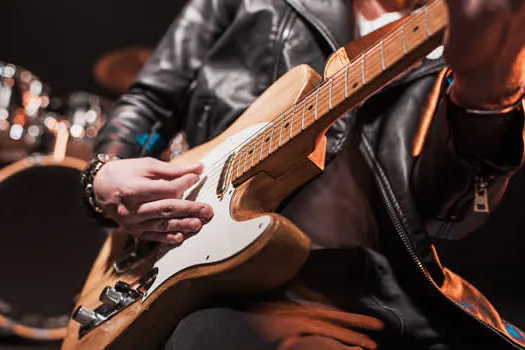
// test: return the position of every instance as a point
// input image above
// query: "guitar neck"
(415, 37)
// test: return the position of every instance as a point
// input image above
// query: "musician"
(373, 278)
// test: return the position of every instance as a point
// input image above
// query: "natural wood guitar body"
(270, 261)
(276, 146)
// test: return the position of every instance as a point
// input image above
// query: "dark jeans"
(273, 328)
(340, 300)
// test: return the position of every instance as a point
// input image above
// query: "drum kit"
(48, 242)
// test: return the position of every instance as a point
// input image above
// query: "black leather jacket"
(220, 55)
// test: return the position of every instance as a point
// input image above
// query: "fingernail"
(195, 225)
(199, 166)
(175, 238)
(206, 212)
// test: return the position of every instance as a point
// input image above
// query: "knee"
(216, 328)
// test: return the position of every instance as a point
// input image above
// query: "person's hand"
(144, 196)
(485, 47)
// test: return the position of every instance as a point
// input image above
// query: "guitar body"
(276, 146)
(244, 248)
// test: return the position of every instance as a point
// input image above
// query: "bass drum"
(48, 244)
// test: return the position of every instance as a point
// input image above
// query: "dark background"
(60, 41)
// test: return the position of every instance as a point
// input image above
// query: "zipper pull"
(481, 199)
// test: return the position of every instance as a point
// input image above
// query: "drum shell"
(48, 245)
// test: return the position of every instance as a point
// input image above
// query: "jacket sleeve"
(464, 167)
(144, 119)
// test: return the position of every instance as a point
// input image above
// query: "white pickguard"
(222, 237)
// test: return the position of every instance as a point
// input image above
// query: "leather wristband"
(488, 140)
(87, 177)
(513, 109)
(517, 107)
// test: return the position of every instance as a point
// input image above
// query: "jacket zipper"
(281, 37)
(390, 209)
(203, 121)
(394, 217)
(480, 198)
(481, 201)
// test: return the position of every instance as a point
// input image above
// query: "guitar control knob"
(86, 316)
(110, 296)
(122, 287)
(125, 289)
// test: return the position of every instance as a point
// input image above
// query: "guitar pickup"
(222, 184)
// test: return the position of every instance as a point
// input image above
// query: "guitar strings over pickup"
(222, 184)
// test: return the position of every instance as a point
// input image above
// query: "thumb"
(171, 171)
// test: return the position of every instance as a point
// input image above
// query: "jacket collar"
(330, 17)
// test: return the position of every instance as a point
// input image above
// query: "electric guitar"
(137, 292)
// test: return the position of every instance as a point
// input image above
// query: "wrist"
(486, 92)
(515, 109)
(88, 176)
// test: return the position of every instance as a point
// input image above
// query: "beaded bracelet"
(87, 177)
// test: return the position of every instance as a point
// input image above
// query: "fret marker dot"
(286, 125)
(355, 85)
(310, 108)
(267, 139)
(415, 29)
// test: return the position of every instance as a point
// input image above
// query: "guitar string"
(353, 67)
(387, 40)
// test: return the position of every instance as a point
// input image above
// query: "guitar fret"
(304, 112)
(437, 16)
(262, 147)
(271, 140)
(253, 153)
(427, 20)
(363, 76)
(394, 49)
(316, 102)
(382, 54)
(239, 162)
(291, 124)
(376, 60)
(244, 165)
(281, 133)
(346, 82)
(330, 95)
(403, 41)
